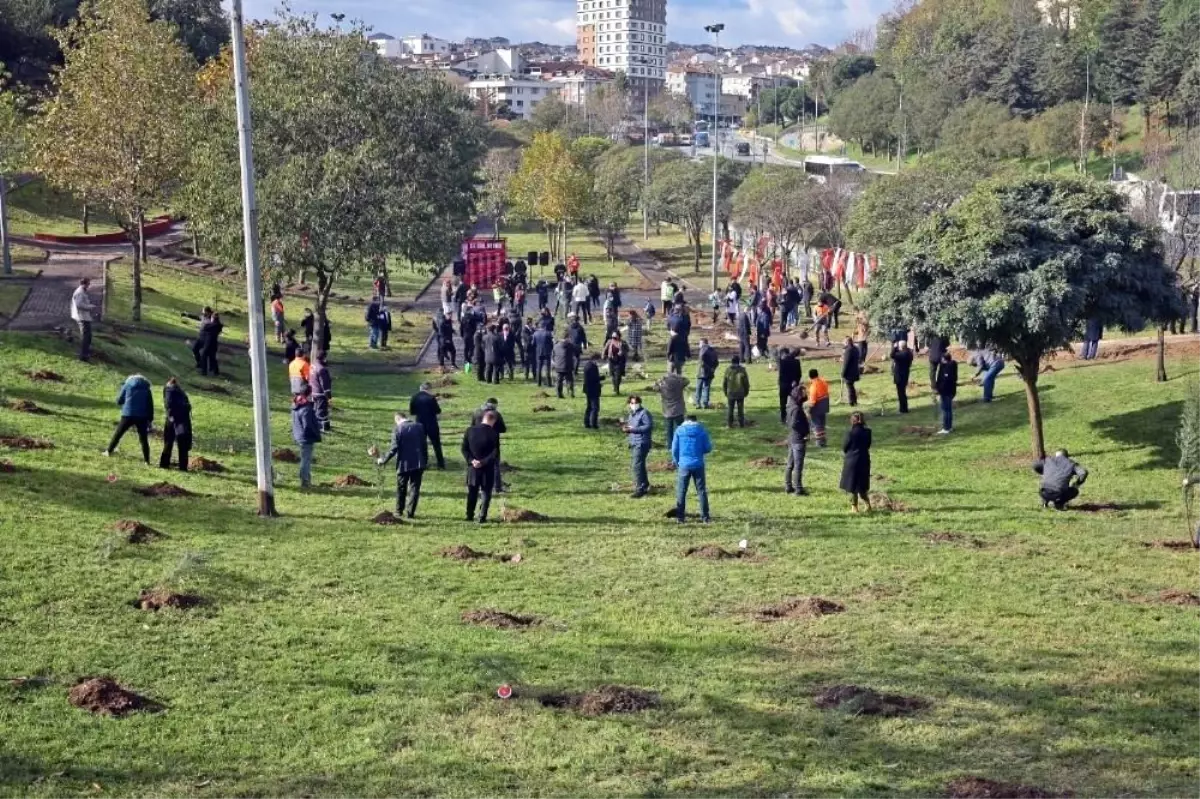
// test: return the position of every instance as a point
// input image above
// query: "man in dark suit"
(425, 409)
(411, 451)
(493, 405)
(789, 376)
(481, 451)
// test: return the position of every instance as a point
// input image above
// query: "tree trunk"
(135, 235)
(195, 242)
(142, 235)
(495, 227)
(1161, 366)
(86, 217)
(324, 289)
(1029, 375)
(696, 253)
(5, 249)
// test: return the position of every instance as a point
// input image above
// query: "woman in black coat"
(856, 469)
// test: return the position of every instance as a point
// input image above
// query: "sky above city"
(793, 23)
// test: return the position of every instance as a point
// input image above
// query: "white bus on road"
(822, 167)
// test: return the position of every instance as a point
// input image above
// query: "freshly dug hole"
(766, 463)
(514, 515)
(350, 481)
(982, 788)
(27, 406)
(604, 700)
(159, 598)
(137, 533)
(164, 490)
(44, 375)
(104, 696)
(463, 552)
(1175, 596)
(7, 467)
(1176, 545)
(24, 442)
(711, 552)
(953, 538)
(861, 701)
(809, 607)
(488, 617)
(284, 455)
(201, 464)
(880, 500)
(542, 409)
(386, 518)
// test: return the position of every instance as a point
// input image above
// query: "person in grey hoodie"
(1057, 472)
(564, 359)
(137, 411)
(639, 427)
(670, 388)
(322, 390)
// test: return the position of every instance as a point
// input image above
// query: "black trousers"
(479, 371)
(85, 340)
(435, 439)
(902, 397)
(208, 362)
(143, 431)
(447, 351)
(510, 362)
(591, 414)
(569, 379)
(543, 368)
(617, 373)
(407, 482)
(852, 392)
(492, 372)
(783, 401)
(198, 353)
(1059, 499)
(171, 440)
(762, 344)
(740, 406)
(482, 482)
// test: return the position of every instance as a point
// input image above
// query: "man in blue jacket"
(638, 427)
(137, 411)
(410, 448)
(688, 448)
(306, 431)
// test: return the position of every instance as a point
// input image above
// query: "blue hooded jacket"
(135, 399)
(689, 445)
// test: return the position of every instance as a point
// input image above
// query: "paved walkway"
(48, 304)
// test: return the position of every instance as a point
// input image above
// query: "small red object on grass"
(504, 691)
(112, 478)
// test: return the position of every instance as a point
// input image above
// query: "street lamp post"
(645, 63)
(715, 29)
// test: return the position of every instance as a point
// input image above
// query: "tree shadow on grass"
(1151, 429)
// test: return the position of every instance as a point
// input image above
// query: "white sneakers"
(943, 432)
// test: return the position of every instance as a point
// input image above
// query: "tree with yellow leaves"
(116, 130)
(551, 187)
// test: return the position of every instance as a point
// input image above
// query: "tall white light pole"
(645, 62)
(258, 344)
(715, 29)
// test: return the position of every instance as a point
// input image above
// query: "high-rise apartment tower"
(627, 36)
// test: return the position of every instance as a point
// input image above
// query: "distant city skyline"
(790, 23)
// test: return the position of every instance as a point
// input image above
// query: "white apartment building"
(699, 86)
(425, 45)
(520, 94)
(624, 36)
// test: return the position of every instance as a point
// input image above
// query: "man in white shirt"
(582, 302)
(81, 312)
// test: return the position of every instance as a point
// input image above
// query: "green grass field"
(593, 260)
(331, 659)
(38, 208)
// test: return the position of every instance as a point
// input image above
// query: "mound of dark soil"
(604, 700)
(541, 395)
(981, 788)
(808, 607)
(24, 442)
(7, 467)
(350, 481)
(506, 467)
(386, 518)
(922, 432)
(1099, 507)
(861, 701)
(213, 388)
(660, 466)
(164, 490)
(463, 552)
(1173, 544)
(159, 598)
(487, 617)
(882, 501)
(955, 538)
(137, 533)
(1175, 596)
(200, 464)
(26, 406)
(521, 515)
(104, 696)
(285, 455)
(443, 382)
(766, 463)
(711, 552)
(45, 375)
(543, 409)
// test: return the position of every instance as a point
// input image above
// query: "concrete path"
(48, 304)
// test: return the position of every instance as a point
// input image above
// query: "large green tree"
(1020, 266)
(777, 201)
(116, 130)
(551, 187)
(681, 192)
(355, 160)
(865, 111)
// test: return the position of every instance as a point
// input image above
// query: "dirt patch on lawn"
(881, 501)
(445, 395)
(7, 467)
(350, 481)
(159, 598)
(766, 463)
(499, 619)
(1176, 596)
(660, 466)
(508, 468)
(463, 552)
(543, 409)
(1099, 507)
(982, 788)
(541, 395)
(137, 533)
(955, 538)
(164, 490)
(515, 515)
(920, 432)
(201, 464)
(27, 406)
(443, 382)
(45, 376)
(284, 455)
(213, 388)
(106, 697)
(714, 552)
(24, 442)
(1175, 545)
(861, 701)
(386, 518)
(808, 607)
(604, 700)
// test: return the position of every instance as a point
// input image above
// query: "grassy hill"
(331, 657)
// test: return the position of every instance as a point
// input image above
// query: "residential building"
(425, 45)
(699, 86)
(747, 86)
(625, 36)
(387, 46)
(574, 82)
(505, 61)
(520, 93)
